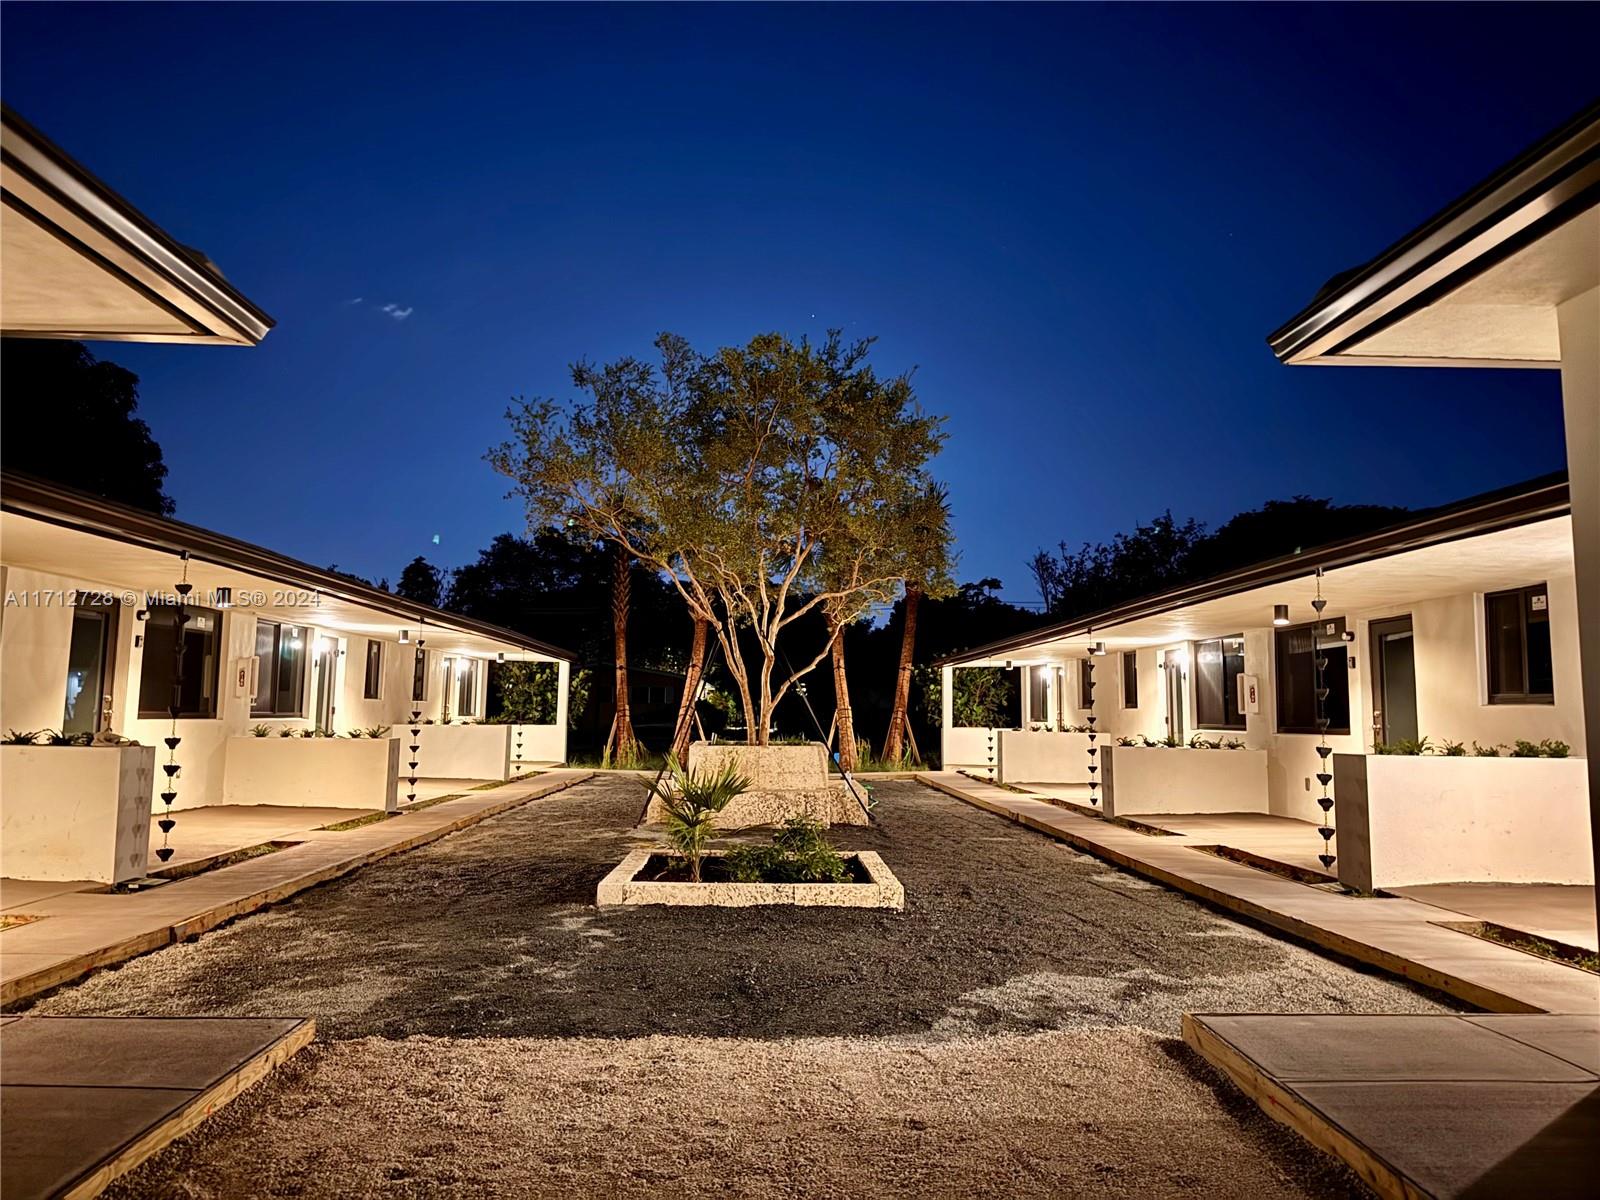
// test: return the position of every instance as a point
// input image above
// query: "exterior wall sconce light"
(405, 636)
(500, 657)
(142, 615)
(224, 597)
(1099, 648)
(1280, 614)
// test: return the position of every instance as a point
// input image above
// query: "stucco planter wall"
(75, 812)
(312, 772)
(882, 890)
(784, 781)
(972, 747)
(1027, 756)
(1411, 819)
(1145, 779)
(533, 745)
(462, 751)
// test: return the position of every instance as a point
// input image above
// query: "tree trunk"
(626, 744)
(844, 723)
(684, 726)
(899, 716)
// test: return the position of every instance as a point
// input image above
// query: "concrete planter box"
(76, 812)
(1159, 779)
(882, 890)
(312, 772)
(1026, 756)
(975, 748)
(462, 751)
(1405, 819)
(784, 781)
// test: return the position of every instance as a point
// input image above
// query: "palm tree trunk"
(844, 724)
(691, 686)
(626, 744)
(899, 717)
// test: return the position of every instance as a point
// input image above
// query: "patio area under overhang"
(79, 261)
(1484, 562)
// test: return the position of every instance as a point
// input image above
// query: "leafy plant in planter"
(1452, 749)
(800, 853)
(54, 737)
(1411, 746)
(260, 731)
(1550, 748)
(1490, 751)
(286, 731)
(375, 732)
(26, 737)
(691, 802)
(1522, 748)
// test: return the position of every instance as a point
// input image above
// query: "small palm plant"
(691, 802)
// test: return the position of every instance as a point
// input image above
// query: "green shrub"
(1522, 748)
(1490, 751)
(1452, 749)
(1550, 748)
(1405, 746)
(800, 853)
(691, 802)
(260, 731)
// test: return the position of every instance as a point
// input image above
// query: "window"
(281, 670)
(1297, 651)
(1085, 684)
(467, 687)
(419, 676)
(1517, 630)
(196, 640)
(372, 687)
(1218, 664)
(1039, 695)
(1130, 679)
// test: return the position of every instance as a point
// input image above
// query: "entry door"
(88, 678)
(1172, 661)
(327, 660)
(1394, 681)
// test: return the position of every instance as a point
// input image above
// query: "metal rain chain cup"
(1094, 751)
(170, 767)
(1324, 775)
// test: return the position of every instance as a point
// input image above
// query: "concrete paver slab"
(51, 1135)
(1563, 913)
(1572, 1036)
(132, 1052)
(1380, 1048)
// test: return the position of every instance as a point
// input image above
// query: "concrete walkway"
(1398, 935)
(1483, 1106)
(79, 931)
(86, 1099)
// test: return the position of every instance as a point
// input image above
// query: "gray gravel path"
(486, 1031)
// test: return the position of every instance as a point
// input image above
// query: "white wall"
(312, 772)
(1142, 779)
(1407, 820)
(35, 637)
(1025, 756)
(75, 812)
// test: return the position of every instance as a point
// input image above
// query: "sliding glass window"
(281, 675)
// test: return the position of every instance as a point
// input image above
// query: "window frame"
(213, 692)
(1130, 679)
(1085, 674)
(372, 676)
(273, 663)
(1230, 699)
(1490, 658)
(419, 676)
(466, 683)
(1279, 636)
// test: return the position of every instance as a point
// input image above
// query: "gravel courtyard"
(483, 1027)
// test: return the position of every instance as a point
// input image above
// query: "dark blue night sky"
(1078, 223)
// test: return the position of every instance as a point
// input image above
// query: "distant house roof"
(1506, 508)
(59, 518)
(1477, 284)
(81, 262)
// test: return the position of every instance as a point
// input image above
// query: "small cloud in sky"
(397, 312)
(354, 302)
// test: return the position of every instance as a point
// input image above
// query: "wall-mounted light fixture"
(405, 636)
(1280, 614)
(500, 657)
(224, 597)
(1098, 648)
(142, 615)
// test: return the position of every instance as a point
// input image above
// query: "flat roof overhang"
(79, 261)
(59, 531)
(1500, 540)
(1477, 285)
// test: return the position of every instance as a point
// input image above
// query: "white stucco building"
(120, 626)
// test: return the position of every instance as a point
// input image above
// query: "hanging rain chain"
(1324, 775)
(416, 735)
(180, 619)
(1094, 751)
